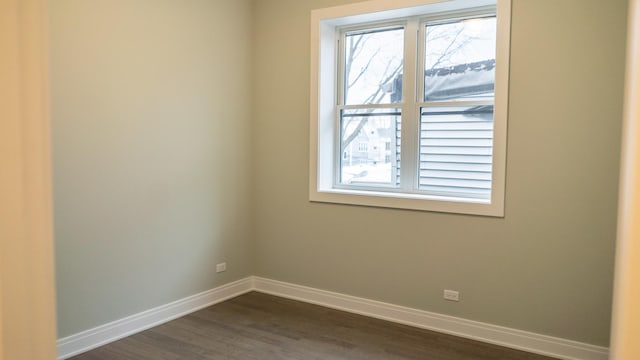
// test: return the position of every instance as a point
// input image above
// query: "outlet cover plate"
(451, 295)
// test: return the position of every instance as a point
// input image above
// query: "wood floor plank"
(258, 326)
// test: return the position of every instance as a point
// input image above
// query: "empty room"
(332, 179)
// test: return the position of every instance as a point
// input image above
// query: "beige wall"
(546, 267)
(151, 152)
(155, 148)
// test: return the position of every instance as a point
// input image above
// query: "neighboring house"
(372, 146)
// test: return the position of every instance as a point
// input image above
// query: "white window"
(429, 79)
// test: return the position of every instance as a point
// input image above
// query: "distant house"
(371, 146)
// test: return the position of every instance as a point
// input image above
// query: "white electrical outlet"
(451, 295)
(221, 267)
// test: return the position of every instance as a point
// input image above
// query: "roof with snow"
(459, 81)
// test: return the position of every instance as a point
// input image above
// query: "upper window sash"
(355, 50)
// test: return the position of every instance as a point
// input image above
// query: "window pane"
(456, 144)
(373, 66)
(460, 59)
(370, 147)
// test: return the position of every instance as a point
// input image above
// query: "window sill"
(409, 201)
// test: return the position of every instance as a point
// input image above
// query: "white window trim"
(323, 100)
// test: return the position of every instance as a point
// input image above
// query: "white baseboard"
(512, 338)
(101, 335)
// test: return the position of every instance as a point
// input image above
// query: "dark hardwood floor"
(259, 326)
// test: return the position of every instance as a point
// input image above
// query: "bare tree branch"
(363, 70)
(446, 54)
(355, 48)
(372, 99)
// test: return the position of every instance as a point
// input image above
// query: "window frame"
(326, 89)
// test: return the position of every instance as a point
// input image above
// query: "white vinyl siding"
(456, 151)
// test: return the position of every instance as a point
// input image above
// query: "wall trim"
(115, 330)
(493, 334)
(499, 335)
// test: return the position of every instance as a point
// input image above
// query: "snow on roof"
(463, 80)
